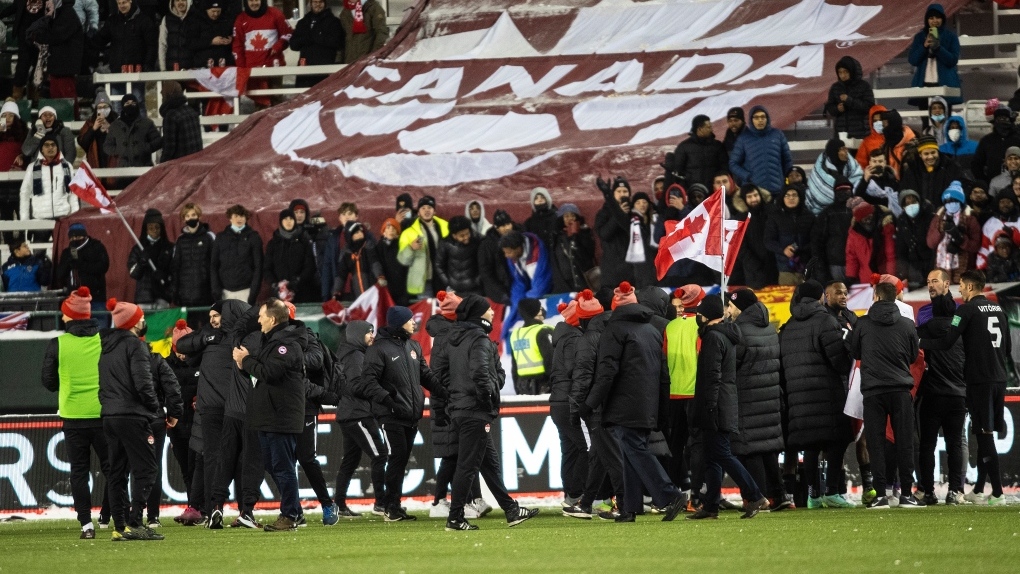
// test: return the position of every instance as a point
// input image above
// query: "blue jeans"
(719, 457)
(641, 472)
(279, 455)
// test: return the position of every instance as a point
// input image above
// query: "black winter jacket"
(990, 153)
(572, 256)
(828, 236)
(913, 257)
(178, 50)
(187, 373)
(544, 224)
(492, 268)
(854, 118)
(944, 375)
(125, 377)
(815, 369)
(396, 274)
(315, 360)
(277, 401)
(201, 32)
(587, 350)
(351, 355)
(215, 348)
(88, 269)
(886, 344)
(392, 378)
(130, 40)
(715, 390)
(786, 227)
(65, 37)
(757, 262)
(759, 391)
(444, 438)
(152, 285)
(457, 266)
(472, 373)
(631, 379)
(244, 333)
(564, 339)
(237, 262)
(168, 390)
(182, 130)
(697, 160)
(930, 185)
(612, 225)
(293, 260)
(191, 269)
(318, 38)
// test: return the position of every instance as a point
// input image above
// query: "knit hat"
(448, 301)
(735, 113)
(125, 315)
(397, 316)
(568, 208)
(711, 308)
(639, 195)
(217, 306)
(690, 295)
(811, 290)
(49, 137)
(621, 181)
(908, 193)
(587, 305)
(699, 187)
(624, 295)
(210, 4)
(298, 205)
(50, 109)
(78, 304)
(76, 230)
(291, 310)
(181, 329)
(863, 211)
(427, 200)
(1002, 112)
(123, 99)
(286, 213)
(387, 222)
(528, 308)
(927, 142)
(501, 218)
(886, 278)
(1011, 150)
(569, 313)
(102, 98)
(1003, 237)
(458, 223)
(954, 193)
(472, 307)
(743, 298)
(404, 201)
(11, 107)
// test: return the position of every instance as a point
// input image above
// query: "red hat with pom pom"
(569, 313)
(125, 315)
(624, 295)
(181, 329)
(78, 304)
(886, 278)
(448, 301)
(689, 295)
(587, 305)
(291, 310)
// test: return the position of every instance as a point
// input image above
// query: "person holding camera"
(788, 235)
(954, 233)
(934, 53)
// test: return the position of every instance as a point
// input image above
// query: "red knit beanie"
(125, 315)
(181, 329)
(569, 313)
(78, 304)
(886, 278)
(291, 309)
(689, 295)
(624, 295)
(448, 301)
(587, 305)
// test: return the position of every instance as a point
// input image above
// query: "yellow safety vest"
(524, 343)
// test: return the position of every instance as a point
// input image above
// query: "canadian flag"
(370, 306)
(697, 237)
(87, 187)
(227, 82)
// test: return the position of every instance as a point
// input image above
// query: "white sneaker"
(440, 509)
(975, 497)
(996, 500)
(470, 512)
(482, 507)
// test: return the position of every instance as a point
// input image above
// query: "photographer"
(954, 233)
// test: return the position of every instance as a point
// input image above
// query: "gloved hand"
(584, 410)
(485, 402)
(575, 418)
(40, 130)
(440, 416)
(602, 184)
(955, 241)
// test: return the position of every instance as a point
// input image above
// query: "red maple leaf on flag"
(687, 229)
(259, 42)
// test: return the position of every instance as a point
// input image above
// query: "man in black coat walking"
(392, 378)
(632, 387)
(573, 445)
(716, 411)
(886, 343)
(471, 373)
(276, 406)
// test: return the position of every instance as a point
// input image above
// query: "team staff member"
(71, 366)
(988, 350)
(392, 378)
(187, 371)
(129, 404)
(168, 393)
(573, 446)
(680, 341)
(276, 406)
(531, 360)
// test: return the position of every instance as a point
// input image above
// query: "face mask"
(486, 326)
(878, 127)
(237, 229)
(77, 242)
(939, 118)
(130, 113)
(954, 135)
(103, 112)
(952, 208)
(1002, 128)
(192, 223)
(143, 331)
(912, 210)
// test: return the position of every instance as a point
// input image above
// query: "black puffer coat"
(125, 377)
(351, 355)
(444, 438)
(168, 390)
(277, 402)
(215, 347)
(152, 285)
(88, 269)
(612, 225)
(815, 367)
(854, 118)
(757, 262)
(697, 160)
(631, 379)
(474, 370)
(317, 38)
(187, 373)
(237, 262)
(457, 266)
(715, 390)
(790, 226)
(886, 343)
(828, 237)
(192, 267)
(759, 392)
(396, 274)
(292, 259)
(64, 35)
(564, 340)
(130, 40)
(386, 381)
(492, 268)
(572, 256)
(178, 50)
(201, 31)
(587, 351)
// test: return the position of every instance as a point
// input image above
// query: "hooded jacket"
(481, 227)
(946, 54)
(289, 257)
(276, 369)
(886, 343)
(815, 367)
(873, 140)
(786, 227)
(457, 266)
(318, 38)
(869, 252)
(392, 378)
(944, 375)
(351, 355)
(572, 256)
(125, 376)
(930, 128)
(187, 373)
(133, 143)
(990, 153)
(697, 160)
(168, 390)
(173, 46)
(492, 268)
(564, 339)
(444, 438)
(237, 262)
(716, 407)
(912, 251)
(219, 373)
(191, 268)
(542, 223)
(88, 269)
(472, 373)
(130, 40)
(756, 261)
(396, 274)
(761, 157)
(587, 350)
(856, 115)
(152, 285)
(631, 378)
(357, 46)
(182, 132)
(822, 180)
(759, 393)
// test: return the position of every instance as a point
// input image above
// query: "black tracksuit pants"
(835, 477)
(573, 451)
(399, 441)
(212, 432)
(764, 469)
(158, 427)
(240, 462)
(131, 451)
(444, 479)
(80, 443)
(604, 459)
(306, 456)
(898, 406)
(948, 413)
(180, 436)
(677, 433)
(641, 472)
(476, 453)
(362, 437)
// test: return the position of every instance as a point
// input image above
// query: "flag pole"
(724, 280)
(131, 232)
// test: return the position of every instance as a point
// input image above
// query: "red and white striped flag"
(89, 189)
(14, 321)
(698, 237)
(370, 306)
(228, 82)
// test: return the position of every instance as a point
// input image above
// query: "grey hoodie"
(480, 227)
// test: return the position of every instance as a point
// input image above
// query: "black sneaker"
(141, 533)
(784, 503)
(454, 525)
(930, 500)
(88, 534)
(398, 515)
(379, 510)
(345, 512)
(703, 514)
(519, 515)
(879, 502)
(754, 507)
(626, 517)
(674, 508)
(246, 520)
(954, 498)
(910, 502)
(300, 521)
(608, 515)
(577, 511)
(215, 520)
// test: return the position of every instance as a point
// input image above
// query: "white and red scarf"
(359, 16)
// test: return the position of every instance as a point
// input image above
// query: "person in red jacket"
(870, 246)
(261, 34)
